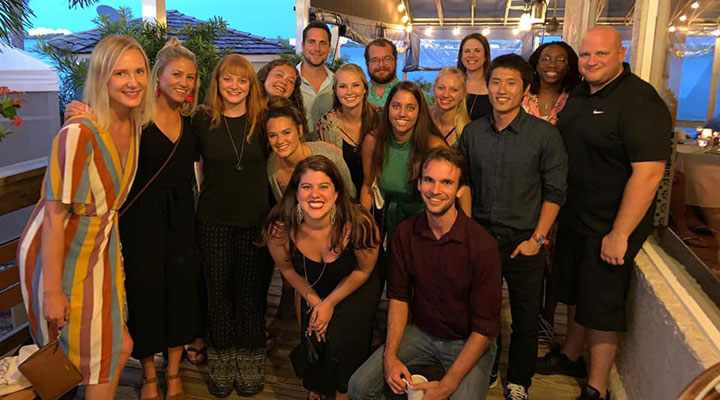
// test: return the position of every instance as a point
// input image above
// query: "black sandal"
(200, 355)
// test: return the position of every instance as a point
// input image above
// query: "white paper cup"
(416, 394)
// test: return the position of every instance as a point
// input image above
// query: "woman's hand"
(56, 309)
(320, 319)
(76, 108)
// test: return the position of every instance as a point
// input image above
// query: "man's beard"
(307, 60)
(382, 81)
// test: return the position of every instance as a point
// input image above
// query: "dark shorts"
(599, 290)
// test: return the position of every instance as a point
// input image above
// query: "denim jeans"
(416, 349)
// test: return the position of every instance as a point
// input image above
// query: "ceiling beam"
(438, 4)
(472, 13)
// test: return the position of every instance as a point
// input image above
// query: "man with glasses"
(381, 62)
(316, 79)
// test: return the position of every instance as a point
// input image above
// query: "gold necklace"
(239, 166)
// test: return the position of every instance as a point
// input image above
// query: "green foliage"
(14, 18)
(9, 107)
(426, 87)
(152, 37)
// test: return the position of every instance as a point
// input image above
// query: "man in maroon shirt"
(446, 272)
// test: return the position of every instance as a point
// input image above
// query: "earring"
(189, 99)
(157, 92)
(333, 214)
(298, 214)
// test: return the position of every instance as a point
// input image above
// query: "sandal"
(269, 341)
(200, 355)
(696, 241)
(702, 230)
(150, 381)
(178, 396)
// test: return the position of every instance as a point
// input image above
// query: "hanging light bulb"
(515, 31)
(456, 30)
(405, 19)
(486, 31)
(525, 22)
(672, 28)
(695, 5)
(683, 18)
(408, 28)
(716, 32)
(428, 31)
(401, 7)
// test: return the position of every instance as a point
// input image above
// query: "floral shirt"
(531, 106)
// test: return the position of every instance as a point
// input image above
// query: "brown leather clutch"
(50, 371)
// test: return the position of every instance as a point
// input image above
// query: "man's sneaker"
(590, 393)
(515, 392)
(555, 362)
(494, 379)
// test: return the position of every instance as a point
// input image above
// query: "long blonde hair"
(461, 115)
(102, 63)
(236, 64)
(369, 117)
(171, 52)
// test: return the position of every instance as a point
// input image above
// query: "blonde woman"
(231, 209)
(351, 118)
(71, 268)
(449, 113)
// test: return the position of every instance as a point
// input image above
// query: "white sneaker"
(494, 379)
(515, 392)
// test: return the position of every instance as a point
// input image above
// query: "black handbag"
(306, 354)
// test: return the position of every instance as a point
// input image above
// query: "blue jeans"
(417, 348)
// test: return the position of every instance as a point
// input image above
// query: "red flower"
(17, 102)
(4, 90)
(17, 121)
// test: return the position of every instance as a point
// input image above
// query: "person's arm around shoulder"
(366, 153)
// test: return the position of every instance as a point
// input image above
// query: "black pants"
(523, 275)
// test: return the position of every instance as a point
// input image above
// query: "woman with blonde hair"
(232, 206)
(449, 113)
(351, 118)
(71, 268)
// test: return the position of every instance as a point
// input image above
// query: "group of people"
(344, 184)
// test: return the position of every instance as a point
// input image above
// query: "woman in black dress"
(474, 60)
(326, 245)
(157, 227)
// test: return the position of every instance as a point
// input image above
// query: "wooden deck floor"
(281, 383)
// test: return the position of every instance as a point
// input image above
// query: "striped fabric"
(86, 173)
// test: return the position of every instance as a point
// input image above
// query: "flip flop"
(702, 230)
(696, 242)
(200, 355)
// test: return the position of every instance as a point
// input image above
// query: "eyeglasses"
(384, 60)
(550, 60)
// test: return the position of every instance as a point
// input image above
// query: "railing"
(704, 386)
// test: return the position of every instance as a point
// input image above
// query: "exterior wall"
(668, 342)
(41, 121)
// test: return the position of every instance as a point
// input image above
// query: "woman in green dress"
(392, 155)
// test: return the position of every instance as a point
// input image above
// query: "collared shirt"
(316, 103)
(513, 171)
(531, 106)
(453, 284)
(624, 122)
(373, 98)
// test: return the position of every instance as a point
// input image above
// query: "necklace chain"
(239, 166)
(354, 143)
(316, 280)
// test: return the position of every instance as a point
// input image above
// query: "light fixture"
(401, 7)
(408, 28)
(538, 10)
(405, 19)
(716, 32)
(683, 18)
(456, 30)
(515, 31)
(428, 31)
(525, 22)
(672, 28)
(486, 31)
(695, 5)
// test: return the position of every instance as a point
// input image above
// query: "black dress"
(158, 246)
(352, 158)
(478, 105)
(349, 334)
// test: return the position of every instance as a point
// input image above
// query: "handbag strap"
(162, 167)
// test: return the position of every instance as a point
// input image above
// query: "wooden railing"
(704, 387)
(19, 188)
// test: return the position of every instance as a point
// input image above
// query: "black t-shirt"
(623, 123)
(478, 106)
(230, 196)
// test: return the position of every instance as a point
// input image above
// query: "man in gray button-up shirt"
(518, 171)
(316, 80)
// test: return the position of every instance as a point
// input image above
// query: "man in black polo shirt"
(518, 171)
(617, 132)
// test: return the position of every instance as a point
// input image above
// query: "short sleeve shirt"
(624, 122)
(316, 103)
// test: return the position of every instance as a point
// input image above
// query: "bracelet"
(312, 307)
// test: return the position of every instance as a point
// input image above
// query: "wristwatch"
(540, 239)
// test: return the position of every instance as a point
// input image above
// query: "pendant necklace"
(239, 166)
(352, 142)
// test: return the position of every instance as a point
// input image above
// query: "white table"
(702, 175)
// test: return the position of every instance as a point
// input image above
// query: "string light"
(456, 30)
(515, 31)
(486, 31)
(408, 28)
(428, 31)
(672, 28)
(683, 18)
(401, 7)
(695, 5)
(405, 19)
